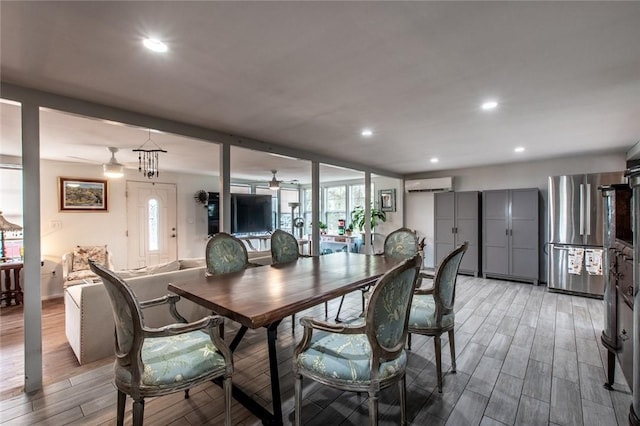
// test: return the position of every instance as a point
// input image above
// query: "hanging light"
(113, 169)
(148, 157)
(274, 184)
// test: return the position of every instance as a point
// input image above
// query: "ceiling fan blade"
(84, 159)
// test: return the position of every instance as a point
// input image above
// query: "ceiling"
(312, 75)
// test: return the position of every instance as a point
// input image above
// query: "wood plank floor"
(525, 357)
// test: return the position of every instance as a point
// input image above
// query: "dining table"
(261, 297)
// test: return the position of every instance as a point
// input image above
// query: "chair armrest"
(424, 290)
(315, 324)
(206, 323)
(427, 275)
(172, 299)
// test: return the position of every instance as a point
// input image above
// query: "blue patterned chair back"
(388, 310)
(401, 244)
(444, 283)
(284, 247)
(225, 253)
(127, 314)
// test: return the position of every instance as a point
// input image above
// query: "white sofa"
(89, 323)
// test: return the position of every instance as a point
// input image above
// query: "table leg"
(272, 336)
(7, 287)
(243, 398)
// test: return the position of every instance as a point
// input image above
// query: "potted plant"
(322, 227)
(349, 229)
(357, 217)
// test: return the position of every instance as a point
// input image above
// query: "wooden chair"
(432, 308)
(400, 244)
(225, 253)
(158, 361)
(366, 357)
(285, 249)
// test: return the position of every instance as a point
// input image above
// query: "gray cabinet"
(510, 234)
(456, 220)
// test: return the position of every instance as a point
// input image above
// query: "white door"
(151, 223)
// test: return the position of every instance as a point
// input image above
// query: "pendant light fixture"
(113, 169)
(274, 184)
(148, 158)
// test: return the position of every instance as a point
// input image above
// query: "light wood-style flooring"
(525, 356)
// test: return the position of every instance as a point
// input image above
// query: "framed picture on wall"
(387, 198)
(83, 195)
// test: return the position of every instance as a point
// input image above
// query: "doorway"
(151, 223)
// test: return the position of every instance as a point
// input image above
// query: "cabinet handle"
(506, 232)
(511, 232)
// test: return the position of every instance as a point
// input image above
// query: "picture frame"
(83, 195)
(387, 199)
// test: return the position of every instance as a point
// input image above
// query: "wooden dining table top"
(257, 297)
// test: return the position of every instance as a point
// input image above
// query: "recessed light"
(519, 149)
(434, 160)
(155, 45)
(489, 105)
(367, 133)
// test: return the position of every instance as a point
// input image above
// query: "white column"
(315, 208)
(32, 255)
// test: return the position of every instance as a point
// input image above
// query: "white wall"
(532, 174)
(61, 231)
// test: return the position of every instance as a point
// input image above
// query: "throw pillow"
(82, 254)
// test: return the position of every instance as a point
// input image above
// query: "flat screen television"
(250, 213)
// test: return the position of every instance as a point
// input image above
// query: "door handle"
(587, 223)
(173, 235)
(581, 209)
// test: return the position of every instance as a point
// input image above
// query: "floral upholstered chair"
(75, 264)
(285, 249)
(432, 308)
(401, 244)
(365, 357)
(158, 361)
(225, 253)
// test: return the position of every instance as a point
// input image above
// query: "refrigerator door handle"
(581, 209)
(587, 207)
(560, 248)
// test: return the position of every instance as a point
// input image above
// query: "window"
(336, 205)
(152, 224)
(287, 196)
(240, 189)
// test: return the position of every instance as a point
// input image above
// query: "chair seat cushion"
(423, 313)
(80, 275)
(345, 358)
(174, 359)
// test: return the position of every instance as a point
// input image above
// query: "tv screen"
(249, 213)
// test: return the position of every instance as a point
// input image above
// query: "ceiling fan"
(274, 183)
(112, 168)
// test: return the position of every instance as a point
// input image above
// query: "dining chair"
(226, 253)
(364, 357)
(431, 311)
(285, 249)
(400, 244)
(153, 362)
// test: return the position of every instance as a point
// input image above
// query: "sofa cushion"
(174, 265)
(82, 254)
(80, 275)
(193, 262)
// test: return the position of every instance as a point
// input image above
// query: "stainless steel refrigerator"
(576, 232)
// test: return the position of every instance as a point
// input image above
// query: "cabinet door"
(495, 232)
(467, 228)
(524, 233)
(444, 224)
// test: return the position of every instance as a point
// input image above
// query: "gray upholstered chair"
(432, 308)
(365, 357)
(285, 249)
(400, 244)
(158, 361)
(225, 253)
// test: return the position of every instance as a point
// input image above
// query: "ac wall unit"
(429, 185)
